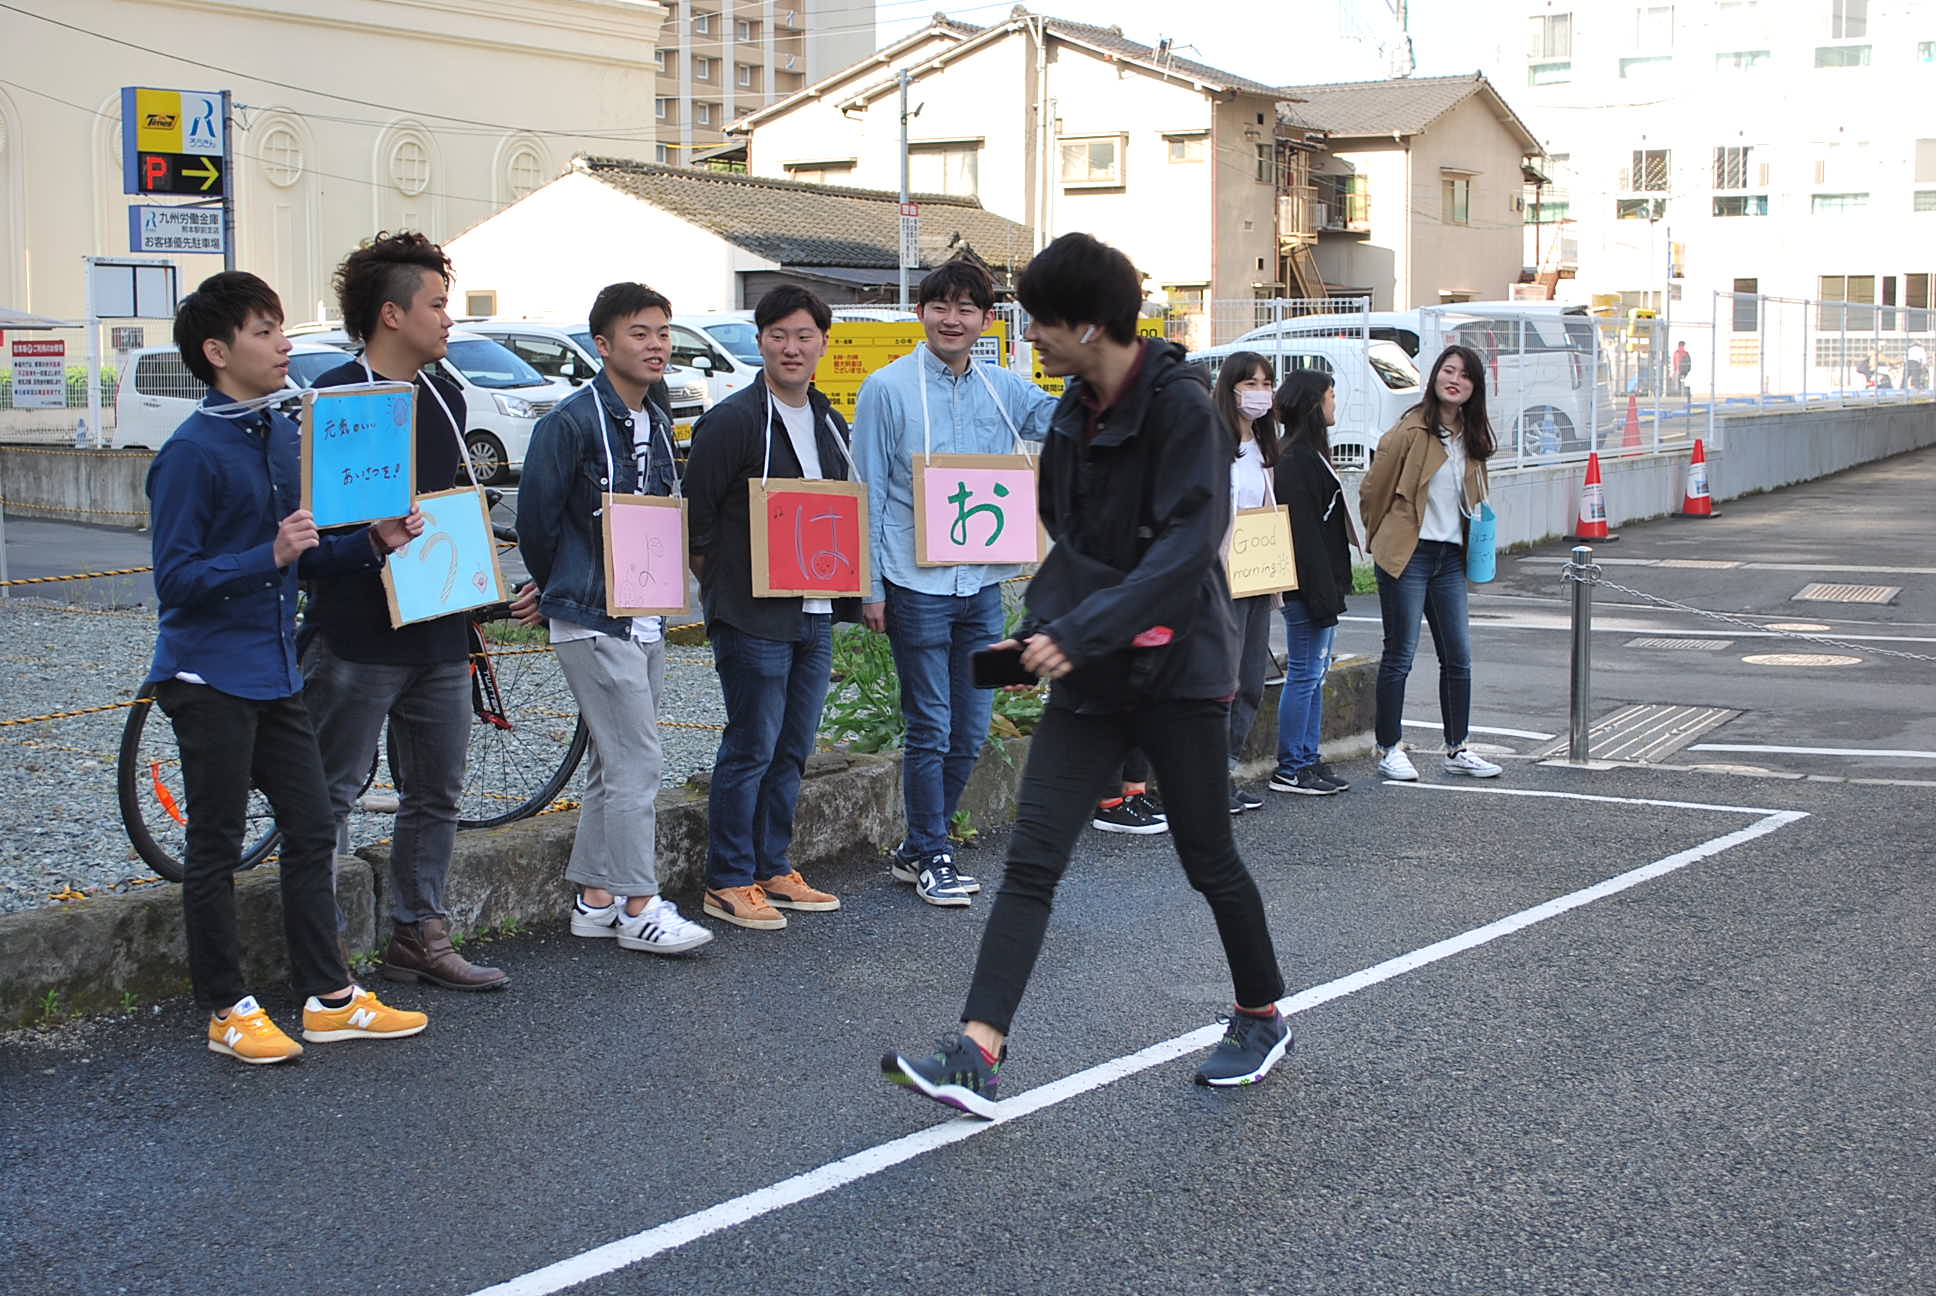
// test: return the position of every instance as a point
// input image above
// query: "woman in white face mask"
(1243, 396)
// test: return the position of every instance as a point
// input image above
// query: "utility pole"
(904, 188)
(229, 185)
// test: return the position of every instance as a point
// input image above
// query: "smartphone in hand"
(999, 667)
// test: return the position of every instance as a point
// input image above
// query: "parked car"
(567, 353)
(722, 345)
(503, 398)
(159, 392)
(1376, 382)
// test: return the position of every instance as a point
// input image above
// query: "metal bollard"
(1581, 690)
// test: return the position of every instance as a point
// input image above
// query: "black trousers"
(1070, 762)
(228, 743)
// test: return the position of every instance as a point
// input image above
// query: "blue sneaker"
(1250, 1047)
(956, 1075)
(906, 866)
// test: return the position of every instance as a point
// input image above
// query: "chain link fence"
(29, 414)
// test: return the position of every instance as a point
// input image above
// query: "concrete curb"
(92, 954)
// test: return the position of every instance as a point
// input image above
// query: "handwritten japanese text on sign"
(809, 538)
(451, 567)
(1261, 560)
(975, 509)
(645, 555)
(358, 452)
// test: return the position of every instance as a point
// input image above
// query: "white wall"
(547, 256)
(1380, 259)
(529, 66)
(1482, 258)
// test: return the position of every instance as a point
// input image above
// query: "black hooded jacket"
(1137, 517)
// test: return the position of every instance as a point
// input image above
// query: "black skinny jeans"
(1070, 762)
(228, 743)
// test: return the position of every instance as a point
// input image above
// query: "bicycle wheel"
(154, 804)
(528, 738)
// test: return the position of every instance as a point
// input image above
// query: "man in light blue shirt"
(937, 617)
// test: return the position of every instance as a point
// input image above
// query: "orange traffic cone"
(1695, 502)
(1630, 440)
(1593, 506)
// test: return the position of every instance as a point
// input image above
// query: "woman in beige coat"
(1429, 474)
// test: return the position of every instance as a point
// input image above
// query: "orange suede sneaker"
(743, 906)
(790, 891)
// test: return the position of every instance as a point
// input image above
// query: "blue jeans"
(774, 690)
(1300, 707)
(1434, 584)
(932, 636)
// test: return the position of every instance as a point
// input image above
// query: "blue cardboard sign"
(359, 461)
(451, 567)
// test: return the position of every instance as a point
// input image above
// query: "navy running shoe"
(956, 1075)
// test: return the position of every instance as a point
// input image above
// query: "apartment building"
(721, 59)
(1784, 147)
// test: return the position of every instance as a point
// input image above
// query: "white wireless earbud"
(1088, 335)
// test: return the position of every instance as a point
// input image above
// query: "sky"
(1278, 42)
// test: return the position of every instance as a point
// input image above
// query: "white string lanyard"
(457, 434)
(927, 432)
(773, 414)
(233, 410)
(611, 464)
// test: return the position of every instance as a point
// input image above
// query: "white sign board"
(131, 289)
(910, 234)
(39, 373)
(175, 229)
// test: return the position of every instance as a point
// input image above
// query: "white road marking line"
(1814, 751)
(1560, 625)
(1485, 729)
(824, 1179)
(1754, 566)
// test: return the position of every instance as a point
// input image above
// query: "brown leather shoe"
(422, 952)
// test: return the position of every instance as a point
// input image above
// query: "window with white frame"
(1549, 49)
(1653, 28)
(1733, 166)
(743, 30)
(1835, 204)
(1267, 162)
(662, 108)
(1842, 299)
(702, 112)
(662, 154)
(702, 69)
(743, 74)
(949, 167)
(1741, 204)
(662, 60)
(1648, 174)
(1187, 148)
(1455, 198)
(1848, 19)
(832, 171)
(1092, 162)
(703, 23)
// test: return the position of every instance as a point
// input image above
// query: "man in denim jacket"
(608, 438)
(937, 617)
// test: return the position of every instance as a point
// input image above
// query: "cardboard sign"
(645, 555)
(809, 538)
(359, 461)
(975, 509)
(1260, 559)
(451, 567)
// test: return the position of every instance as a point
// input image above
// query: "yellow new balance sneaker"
(248, 1035)
(364, 1017)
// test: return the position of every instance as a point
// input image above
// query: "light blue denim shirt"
(964, 418)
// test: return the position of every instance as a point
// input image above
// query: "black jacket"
(1138, 517)
(1320, 531)
(728, 449)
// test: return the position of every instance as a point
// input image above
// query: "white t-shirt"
(1250, 481)
(799, 427)
(1442, 512)
(645, 629)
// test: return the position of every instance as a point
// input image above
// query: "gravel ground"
(62, 832)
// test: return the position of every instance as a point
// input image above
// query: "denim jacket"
(965, 417)
(561, 532)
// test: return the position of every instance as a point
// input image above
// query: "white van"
(723, 345)
(503, 398)
(567, 353)
(1376, 382)
(157, 392)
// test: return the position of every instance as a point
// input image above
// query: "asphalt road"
(1659, 1029)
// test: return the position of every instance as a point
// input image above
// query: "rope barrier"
(68, 715)
(48, 580)
(78, 454)
(38, 507)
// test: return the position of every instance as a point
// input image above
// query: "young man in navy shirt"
(230, 542)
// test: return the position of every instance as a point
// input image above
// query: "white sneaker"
(1394, 764)
(598, 923)
(660, 929)
(1463, 761)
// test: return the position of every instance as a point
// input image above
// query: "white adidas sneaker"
(660, 928)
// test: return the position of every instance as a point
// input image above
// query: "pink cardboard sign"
(975, 509)
(645, 555)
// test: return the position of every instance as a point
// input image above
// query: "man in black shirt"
(357, 669)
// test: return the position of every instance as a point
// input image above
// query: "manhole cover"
(1699, 564)
(1827, 592)
(1807, 627)
(1686, 645)
(1801, 659)
(1646, 731)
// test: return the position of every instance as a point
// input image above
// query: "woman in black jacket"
(1321, 535)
